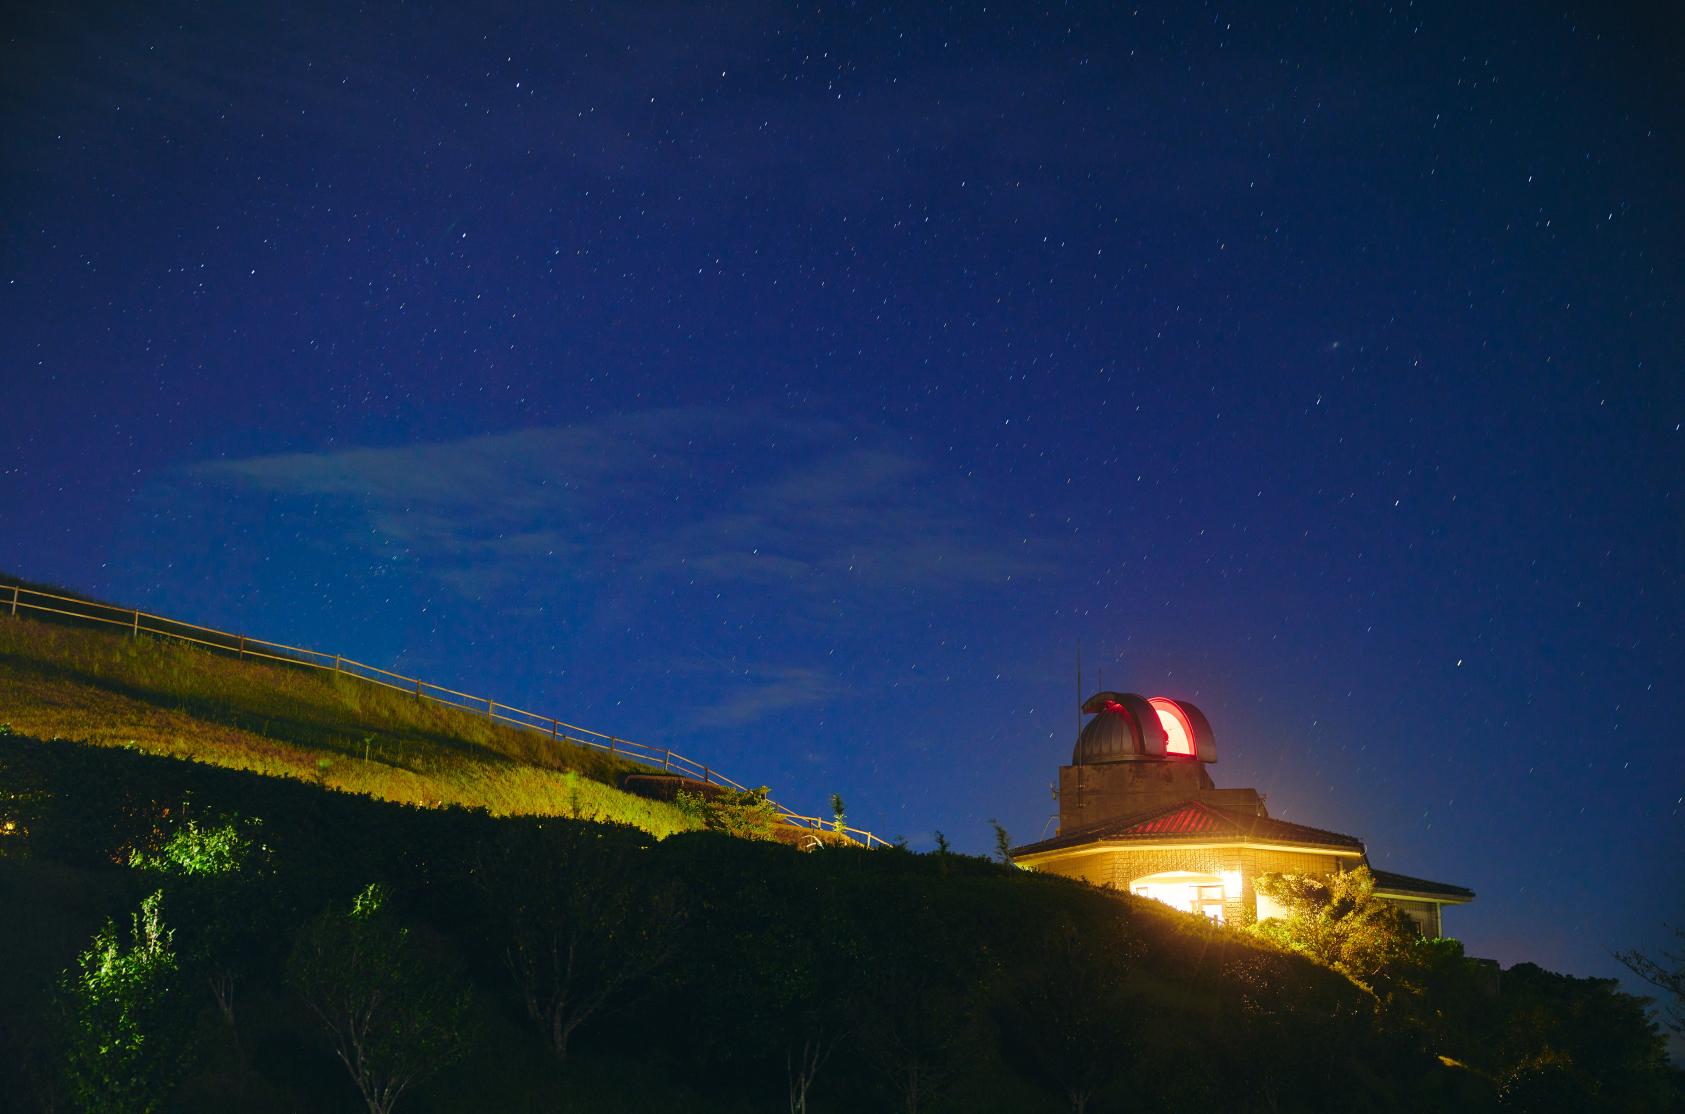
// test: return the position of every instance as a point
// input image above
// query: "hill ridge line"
(16, 597)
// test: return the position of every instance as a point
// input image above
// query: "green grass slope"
(169, 698)
(953, 968)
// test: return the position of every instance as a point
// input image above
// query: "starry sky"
(798, 387)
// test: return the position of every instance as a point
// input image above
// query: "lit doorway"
(1185, 890)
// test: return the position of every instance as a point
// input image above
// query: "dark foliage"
(583, 928)
(1666, 974)
(1060, 1012)
(712, 973)
(395, 1014)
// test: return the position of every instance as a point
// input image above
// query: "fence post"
(491, 706)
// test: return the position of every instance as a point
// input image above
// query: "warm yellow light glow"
(1177, 729)
(1231, 884)
(1184, 890)
(1271, 909)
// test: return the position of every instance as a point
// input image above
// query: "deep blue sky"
(797, 387)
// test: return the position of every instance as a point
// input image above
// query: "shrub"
(746, 815)
(126, 1041)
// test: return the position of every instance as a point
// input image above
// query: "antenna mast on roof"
(1079, 688)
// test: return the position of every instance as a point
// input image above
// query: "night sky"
(797, 387)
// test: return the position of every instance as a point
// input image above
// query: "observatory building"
(1138, 812)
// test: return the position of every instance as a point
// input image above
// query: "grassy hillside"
(714, 967)
(168, 698)
(991, 988)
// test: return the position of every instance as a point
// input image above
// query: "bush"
(127, 1046)
(746, 815)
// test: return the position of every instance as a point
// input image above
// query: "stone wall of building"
(1109, 790)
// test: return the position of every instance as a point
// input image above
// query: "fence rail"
(138, 622)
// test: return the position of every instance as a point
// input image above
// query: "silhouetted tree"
(1003, 842)
(1551, 1038)
(583, 928)
(1670, 980)
(394, 1014)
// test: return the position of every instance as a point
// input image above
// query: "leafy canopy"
(1338, 921)
(197, 851)
(393, 1015)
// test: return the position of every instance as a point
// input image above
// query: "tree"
(1670, 980)
(126, 1043)
(1003, 842)
(221, 886)
(1558, 1042)
(582, 930)
(839, 814)
(393, 1014)
(1338, 921)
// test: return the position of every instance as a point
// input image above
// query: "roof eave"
(1437, 896)
(1033, 852)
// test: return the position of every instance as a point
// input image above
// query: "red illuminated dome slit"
(1177, 728)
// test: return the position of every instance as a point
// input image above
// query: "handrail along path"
(138, 622)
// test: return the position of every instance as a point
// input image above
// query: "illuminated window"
(1184, 890)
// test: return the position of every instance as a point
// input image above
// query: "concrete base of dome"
(1089, 794)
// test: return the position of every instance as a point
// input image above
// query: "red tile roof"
(1194, 820)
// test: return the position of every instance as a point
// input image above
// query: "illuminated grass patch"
(173, 699)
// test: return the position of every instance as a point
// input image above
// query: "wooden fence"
(138, 622)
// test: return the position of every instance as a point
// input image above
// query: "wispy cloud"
(878, 516)
(695, 492)
(767, 692)
(662, 521)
